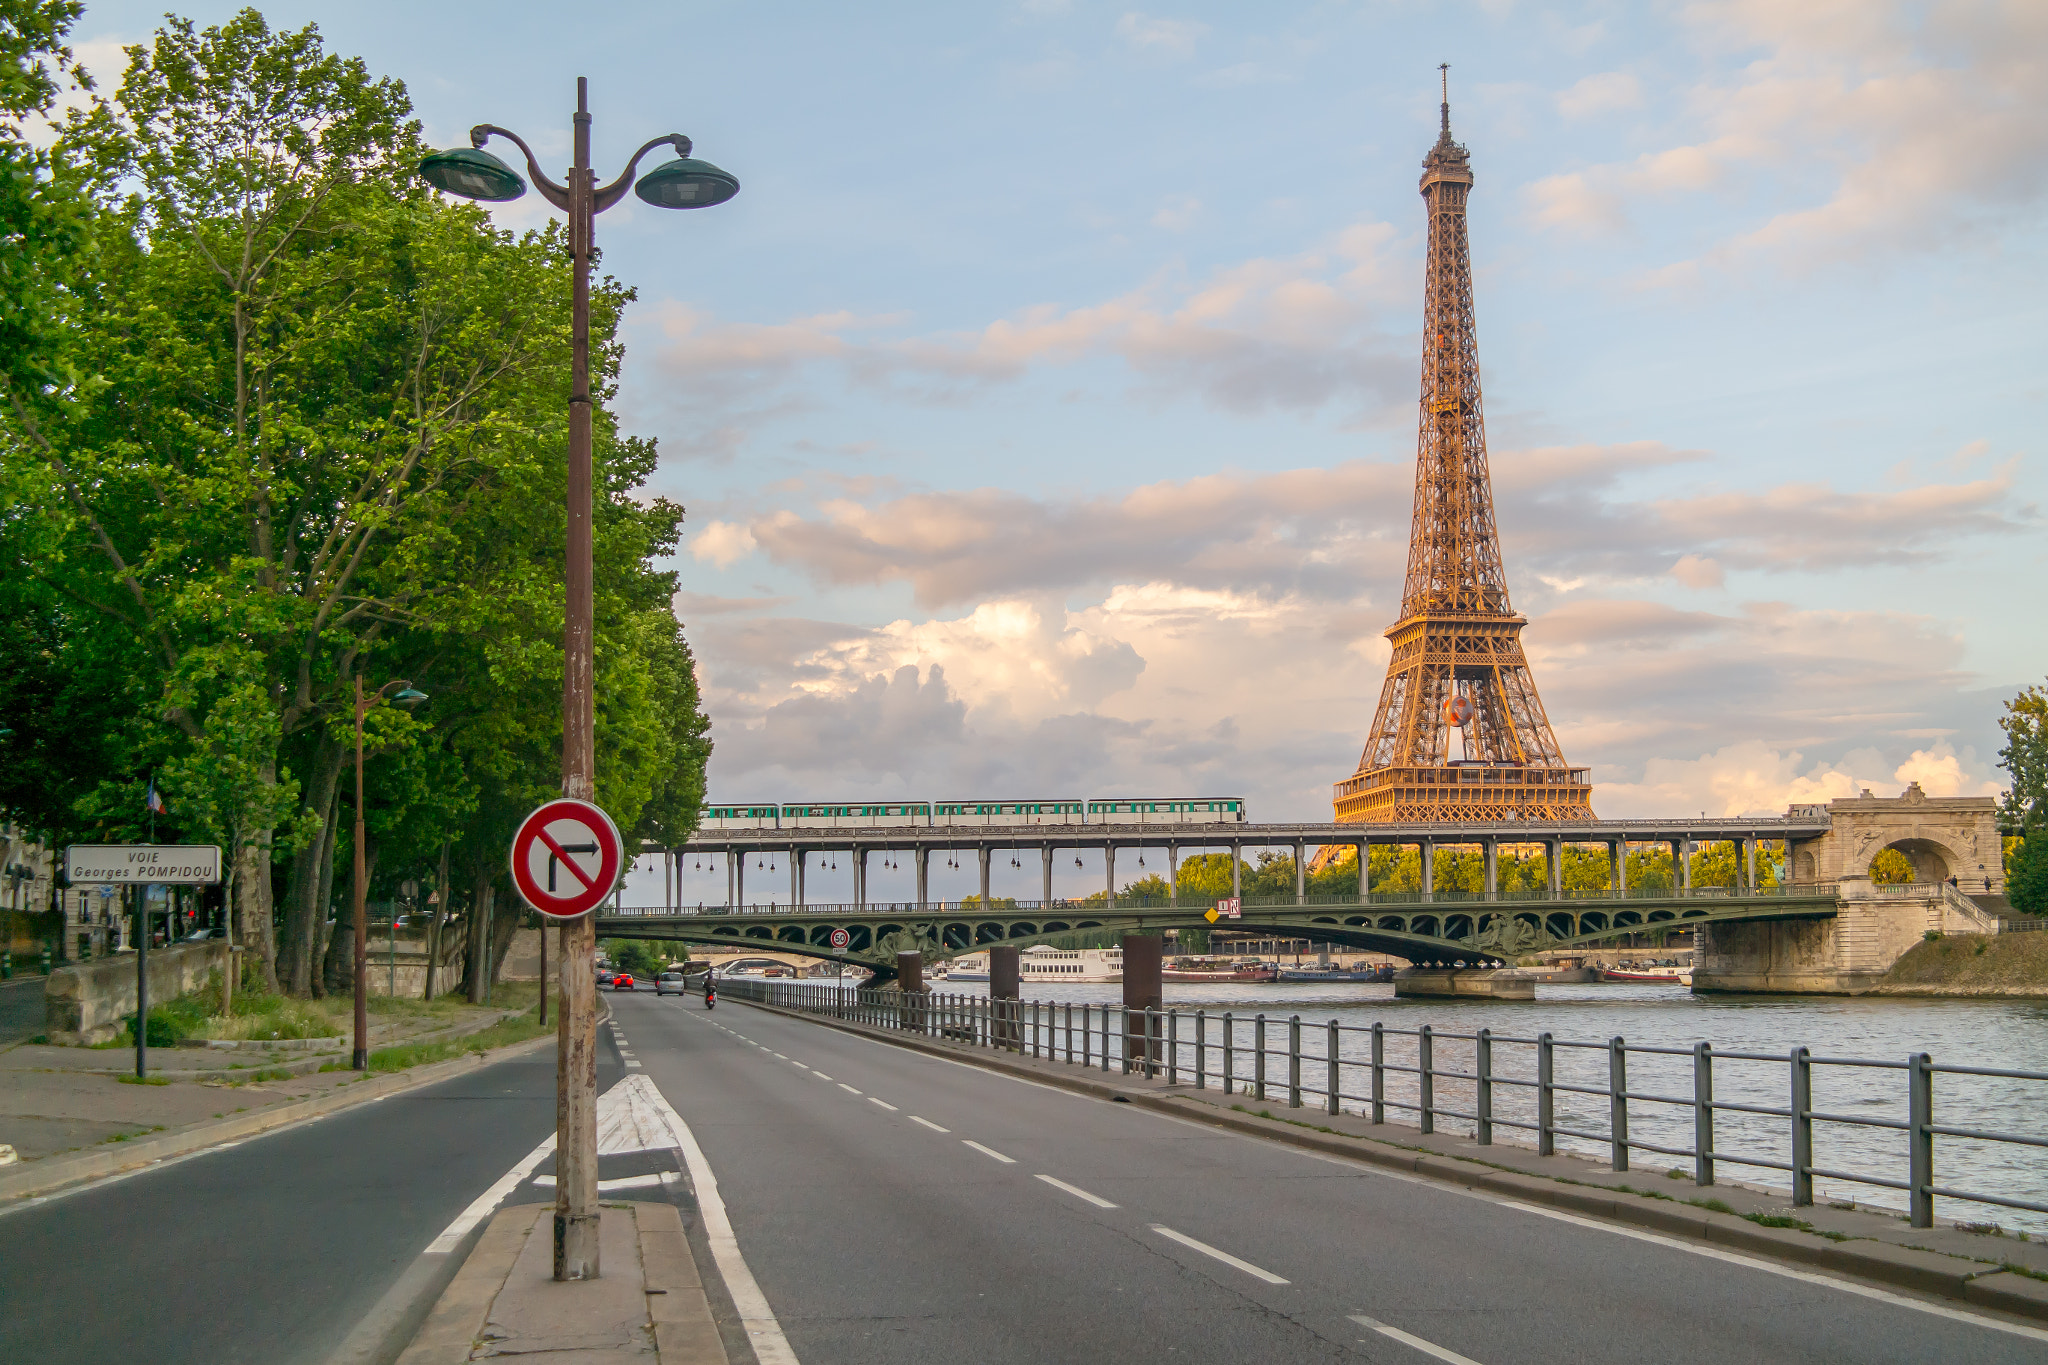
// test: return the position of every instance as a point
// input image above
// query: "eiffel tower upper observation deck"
(1457, 662)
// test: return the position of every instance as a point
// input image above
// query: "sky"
(1044, 405)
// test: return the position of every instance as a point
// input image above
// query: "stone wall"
(1943, 836)
(86, 1003)
(1846, 954)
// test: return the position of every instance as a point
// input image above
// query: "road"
(900, 1208)
(21, 1008)
(270, 1251)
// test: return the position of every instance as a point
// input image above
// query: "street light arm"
(614, 192)
(558, 195)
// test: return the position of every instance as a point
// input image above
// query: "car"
(605, 975)
(623, 981)
(669, 981)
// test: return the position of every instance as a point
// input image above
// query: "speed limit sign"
(840, 938)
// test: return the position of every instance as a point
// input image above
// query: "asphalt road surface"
(21, 1008)
(900, 1209)
(269, 1251)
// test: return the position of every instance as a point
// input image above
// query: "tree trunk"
(299, 953)
(252, 891)
(338, 969)
(504, 923)
(324, 918)
(441, 899)
(481, 895)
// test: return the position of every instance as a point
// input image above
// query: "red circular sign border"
(612, 859)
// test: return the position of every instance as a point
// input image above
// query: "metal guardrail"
(1210, 1051)
(1813, 891)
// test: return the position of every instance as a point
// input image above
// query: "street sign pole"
(138, 867)
(140, 895)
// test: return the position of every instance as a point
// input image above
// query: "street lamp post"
(684, 183)
(360, 1058)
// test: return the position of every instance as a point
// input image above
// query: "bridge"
(1420, 926)
(919, 842)
(1829, 929)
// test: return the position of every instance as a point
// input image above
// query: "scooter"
(710, 998)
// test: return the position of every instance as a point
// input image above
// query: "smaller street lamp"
(359, 1060)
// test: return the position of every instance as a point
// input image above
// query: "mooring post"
(1144, 992)
(910, 988)
(1005, 984)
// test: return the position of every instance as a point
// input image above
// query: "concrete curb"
(1952, 1277)
(457, 1319)
(56, 1173)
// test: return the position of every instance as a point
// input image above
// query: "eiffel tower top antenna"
(1445, 67)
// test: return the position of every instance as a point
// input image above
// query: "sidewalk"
(648, 1305)
(1954, 1261)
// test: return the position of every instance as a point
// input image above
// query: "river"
(2000, 1034)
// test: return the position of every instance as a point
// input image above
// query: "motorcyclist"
(710, 993)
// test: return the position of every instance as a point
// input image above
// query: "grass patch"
(142, 1080)
(404, 1056)
(1678, 1173)
(1779, 1220)
(2027, 1271)
(1647, 1194)
(1712, 1205)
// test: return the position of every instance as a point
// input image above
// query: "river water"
(1997, 1034)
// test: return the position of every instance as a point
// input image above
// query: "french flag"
(151, 802)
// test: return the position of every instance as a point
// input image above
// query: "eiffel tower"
(1457, 663)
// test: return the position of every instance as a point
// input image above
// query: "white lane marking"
(1246, 1266)
(884, 1103)
(990, 1151)
(634, 1066)
(624, 1182)
(764, 1333)
(1097, 1200)
(486, 1203)
(929, 1124)
(847, 1088)
(1712, 1253)
(1428, 1348)
(821, 1075)
(786, 1059)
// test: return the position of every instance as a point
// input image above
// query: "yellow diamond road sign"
(1210, 915)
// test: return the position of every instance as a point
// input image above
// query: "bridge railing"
(1815, 891)
(1608, 1097)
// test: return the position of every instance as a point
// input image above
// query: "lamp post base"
(576, 1245)
(359, 1060)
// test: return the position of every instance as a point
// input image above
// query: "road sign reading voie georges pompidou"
(567, 857)
(162, 864)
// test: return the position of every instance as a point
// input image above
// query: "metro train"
(1120, 810)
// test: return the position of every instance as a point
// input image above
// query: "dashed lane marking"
(885, 1104)
(1217, 1252)
(990, 1151)
(929, 1124)
(1428, 1348)
(1097, 1200)
(847, 1088)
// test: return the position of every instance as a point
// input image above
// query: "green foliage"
(2025, 757)
(1891, 867)
(333, 454)
(2026, 884)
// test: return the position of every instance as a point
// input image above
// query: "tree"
(2025, 757)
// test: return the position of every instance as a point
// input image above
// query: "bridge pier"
(1617, 862)
(737, 867)
(1173, 874)
(1006, 983)
(860, 877)
(1492, 847)
(1109, 872)
(1427, 852)
(1045, 870)
(1364, 872)
(982, 852)
(1553, 867)
(1300, 873)
(1144, 989)
(1236, 868)
(796, 876)
(921, 861)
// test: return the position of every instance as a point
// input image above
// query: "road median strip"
(1997, 1284)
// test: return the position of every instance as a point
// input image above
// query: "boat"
(1649, 973)
(1252, 969)
(1381, 973)
(1198, 969)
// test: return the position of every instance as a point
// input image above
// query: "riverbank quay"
(1970, 1263)
(650, 1303)
(72, 1125)
(2007, 965)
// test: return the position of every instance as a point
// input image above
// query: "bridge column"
(924, 875)
(1749, 864)
(1364, 873)
(1045, 853)
(1553, 867)
(1617, 863)
(1109, 871)
(739, 879)
(1173, 874)
(1492, 847)
(860, 877)
(1144, 989)
(1681, 874)
(983, 851)
(1005, 982)
(796, 876)
(1300, 873)
(1236, 869)
(1426, 855)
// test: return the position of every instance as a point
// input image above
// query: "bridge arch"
(1932, 860)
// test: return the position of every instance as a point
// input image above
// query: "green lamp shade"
(473, 174)
(686, 183)
(410, 697)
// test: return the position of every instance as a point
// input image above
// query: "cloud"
(722, 543)
(1752, 778)
(1178, 213)
(1917, 127)
(1341, 532)
(1166, 37)
(1600, 94)
(1296, 332)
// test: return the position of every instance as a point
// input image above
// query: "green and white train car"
(1200, 810)
(864, 816)
(748, 815)
(972, 813)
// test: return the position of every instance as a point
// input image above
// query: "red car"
(623, 981)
